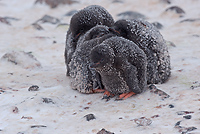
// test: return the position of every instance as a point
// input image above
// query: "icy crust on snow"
(149, 39)
(124, 68)
(81, 22)
(83, 78)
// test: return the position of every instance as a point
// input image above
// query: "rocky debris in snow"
(187, 116)
(15, 110)
(33, 88)
(37, 26)
(20, 133)
(143, 121)
(195, 85)
(55, 3)
(184, 112)
(38, 126)
(70, 13)
(155, 116)
(21, 58)
(161, 93)
(48, 19)
(27, 117)
(117, 1)
(166, 1)
(6, 20)
(103, 131)
(190, 20)
(48, 100)
(1, 90)
(171, 106)
(90, 117)
(131, 15)
(158, 25)
(176, 9)
(183, 130)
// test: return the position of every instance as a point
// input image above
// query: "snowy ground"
(27, 112)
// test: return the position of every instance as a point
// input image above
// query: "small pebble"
(49, 19)
(37, 126)
(103, 131)
(37, 26)
(15, 110)
(33, 88)
(171, 106)
(187, 116)
(89, 117)
(48, 100)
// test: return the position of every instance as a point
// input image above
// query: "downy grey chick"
(149, 39)
(121, 65)
(80, 23)
(83, 78)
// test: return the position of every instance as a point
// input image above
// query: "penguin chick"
(149, 39)
(80, 23)
(83, 78)
(121, 65)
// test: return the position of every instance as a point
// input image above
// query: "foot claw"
(125, 96)
(98, 90)
(107, 95)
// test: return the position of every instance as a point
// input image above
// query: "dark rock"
(70, 13)
(20, 133)
(48, 100)
(196, 35)
(15, 110)
(33, 88)
(131, 15)
(171, 106)
(166, 1)
(6, 20)
(187, 116)
(37, 26)
(55, 3)
(176, 9)
(117, 1)
(1, 91)
(158, 25)
(89, 117)
(161, 93)
(49, 19)
(190, 20)
(103, 131)
(183, 130)
(177, 123)
(38, 126)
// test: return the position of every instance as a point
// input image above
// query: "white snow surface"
(66, 114)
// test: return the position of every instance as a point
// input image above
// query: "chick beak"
(94, 65)
(114, 31)
(76, 37)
